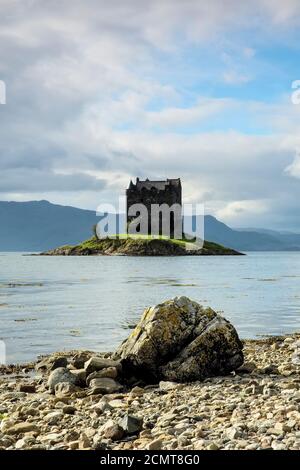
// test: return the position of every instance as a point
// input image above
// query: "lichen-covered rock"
(180, 340)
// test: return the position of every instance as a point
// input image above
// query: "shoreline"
(256, 407)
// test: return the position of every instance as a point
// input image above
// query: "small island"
(140, 246)
(153, 238)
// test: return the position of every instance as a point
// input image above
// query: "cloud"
(99, 92)
(294, 168)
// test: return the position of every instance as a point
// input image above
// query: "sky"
(101, 92)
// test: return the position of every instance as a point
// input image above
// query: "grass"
(116, 241)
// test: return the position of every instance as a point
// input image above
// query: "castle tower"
(167, 192)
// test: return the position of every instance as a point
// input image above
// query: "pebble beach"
(255, 407)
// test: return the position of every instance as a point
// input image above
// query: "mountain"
(40, 226)
(248, 240)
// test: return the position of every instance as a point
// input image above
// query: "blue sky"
(98, 93)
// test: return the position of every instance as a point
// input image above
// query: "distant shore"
(257, 407)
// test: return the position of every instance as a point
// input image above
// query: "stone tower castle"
(149, 193)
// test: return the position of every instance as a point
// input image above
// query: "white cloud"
(294, 168)
(94, 92)
(235, 209)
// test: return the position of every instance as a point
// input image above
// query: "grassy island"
(141, 245)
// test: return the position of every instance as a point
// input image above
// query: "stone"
(22, 428)
(155, 445)
(53, 418)
(212, 446)
(233, 433)
(108, 372)
(277, 445)
(64, 390)
(167, 386)
(80, 375)
(61, 374)
(180, 341)
(69, 410)
(51, 363)
(113, 431)
(103, 385)
(52, 438)
(136, 392)
(247, 367)
(79, 359)
(98, 363)
(131, 424)
(25, 442)
(295, 359)
(84, 442)
(27, 388)
(74, 445)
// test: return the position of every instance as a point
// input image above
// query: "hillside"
(40, 226)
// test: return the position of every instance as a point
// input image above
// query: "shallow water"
(56, 303)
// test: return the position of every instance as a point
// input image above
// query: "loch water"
(60, 303)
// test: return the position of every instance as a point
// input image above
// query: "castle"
(167, 192)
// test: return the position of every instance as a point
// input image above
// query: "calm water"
(56, 303)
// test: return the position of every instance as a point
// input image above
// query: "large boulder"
(180, 340)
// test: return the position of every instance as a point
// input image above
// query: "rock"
(27, 388)
(80, 375)
(25, 442)
(136, 392)
(61, 374)
(213, 446)
(74, 445)
(53, 418)
(52, 438)
(69, 410)
(247, 367)
(181, 341)
(72, 435)
(51, 363)
(103, 385)
(277, 445)
(98, 363)
(295, 359)
(22, 428)
(64, 390)
(113, 431)
(108, 372)
(167, 386)
(155, 445)
(233, 433)
(84, 442)
(131, 424)
(79, 359)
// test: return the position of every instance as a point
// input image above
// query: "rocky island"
(182, 380)
(140, 246)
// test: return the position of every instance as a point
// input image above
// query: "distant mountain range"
(40, 226)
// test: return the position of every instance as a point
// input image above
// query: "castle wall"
(171, 195)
